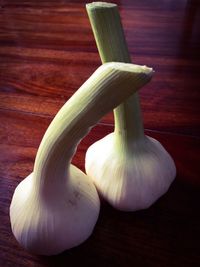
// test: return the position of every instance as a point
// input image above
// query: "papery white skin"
(36, 217)
(130, 179)
(57, 206)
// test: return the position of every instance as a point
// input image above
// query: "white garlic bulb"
(129, 169)
(130, 176)
(56, 207)
(57, 218)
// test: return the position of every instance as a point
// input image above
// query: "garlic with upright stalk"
(56, 207)
(130, 170)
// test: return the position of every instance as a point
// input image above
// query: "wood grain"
(47, 51)
(44, 46)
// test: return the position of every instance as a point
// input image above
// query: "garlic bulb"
(130, 170)
(53, 219)
(130, 176)
(56, 207)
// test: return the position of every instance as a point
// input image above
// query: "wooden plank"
(49, 51)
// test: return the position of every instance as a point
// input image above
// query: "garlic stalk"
(130, 170)
(56, 207)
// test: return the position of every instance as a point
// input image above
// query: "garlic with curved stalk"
(56, 207)
(130, 170)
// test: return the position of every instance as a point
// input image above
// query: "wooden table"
(47, 51)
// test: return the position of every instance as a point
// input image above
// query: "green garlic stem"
(110, 39)
(82, 111)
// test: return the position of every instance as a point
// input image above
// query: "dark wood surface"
(47, 51)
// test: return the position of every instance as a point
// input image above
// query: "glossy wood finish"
(47, 51)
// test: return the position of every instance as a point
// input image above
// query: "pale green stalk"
(56, 207)
(111, 43)
(80, 113)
